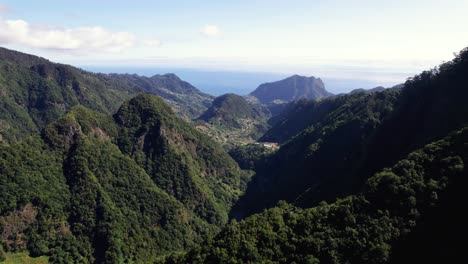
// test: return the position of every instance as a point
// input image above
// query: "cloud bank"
(210, 31)
(152, 42)
(80, 39)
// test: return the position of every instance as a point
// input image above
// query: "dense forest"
(115, 168)
(35, 92)
(97, 188)
(233, 120)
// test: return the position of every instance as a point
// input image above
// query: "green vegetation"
(185, 99)
(92, 170)
(35, 92)
(179, 158)
(358, 229)
(247, 156)
(316, 164)
(229, 110)
(21, 258)
(359, 135)
(94, 190)
(232, 120)
(301, 114)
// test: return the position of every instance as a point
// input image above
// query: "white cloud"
(210, 31)
(80, 39)
(152, 42)
(4, 9)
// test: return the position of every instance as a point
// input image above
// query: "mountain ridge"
(93, 169)
(35, 91)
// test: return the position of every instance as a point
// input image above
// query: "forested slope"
(94, 189)
(362, 228)
(35, 91)
(364, 133)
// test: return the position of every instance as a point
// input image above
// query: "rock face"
(291, 89)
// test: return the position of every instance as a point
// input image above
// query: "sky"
(360, 39)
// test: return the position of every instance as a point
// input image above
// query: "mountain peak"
(170, 76)
(290, 89)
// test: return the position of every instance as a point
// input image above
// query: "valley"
(123, 168)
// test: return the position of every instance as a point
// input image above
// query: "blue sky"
(350, 39)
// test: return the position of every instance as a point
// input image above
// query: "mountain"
(186, 100)
(94, 169)
(334, 155)
(290, 89)
(373, 90)
(298, 115)
(320, 159)
(369, 227)
(180, 159)
(131, 187)
(232, 118)
(379, 178)
(35, 91)
(230, 109)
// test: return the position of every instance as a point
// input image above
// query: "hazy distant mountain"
(290, 89)
(376, 89)
(184, 98)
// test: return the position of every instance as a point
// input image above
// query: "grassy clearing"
(22, 258)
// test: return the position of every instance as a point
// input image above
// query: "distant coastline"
(217, 82)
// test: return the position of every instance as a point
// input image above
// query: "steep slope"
(96, 206)
(94, 189)
(230, 109)
(33, 96)
(334, 156)
(290, 89)
(363, 228)
(35, 91)
(298, 115)
(301, 114)
(185, 99)
(184, 162)
(322, 157)
(231, 117)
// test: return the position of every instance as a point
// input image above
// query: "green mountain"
(369, 227)
(101, 189)
(35, 91)
(186, 100)
(298, 115)
(291, 89)
(232, 118)
(341, 148)
(372, 90)
(230, 109)
(391, 166)
(322, 158)
(94, 169)
(180, 159)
